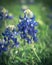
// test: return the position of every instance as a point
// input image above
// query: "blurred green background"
(39, 53)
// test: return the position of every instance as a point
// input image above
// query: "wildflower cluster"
(25, 29)
(9, 35)
(9, 40)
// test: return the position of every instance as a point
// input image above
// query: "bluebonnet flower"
(27, 28)
(3, 46)
(4, 14)
(9, 35)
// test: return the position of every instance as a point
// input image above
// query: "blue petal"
(5, 39)
(28, 40)
(35, 23)
(4, 49)
(35, 39)
(3, 34)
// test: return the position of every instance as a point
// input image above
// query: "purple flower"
(3, 46)
(5, 15)
(9, 35)
(27, 27)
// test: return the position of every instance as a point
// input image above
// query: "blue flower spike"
(9, 34)
(4, 14)
(27, 26)
(3, 46)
